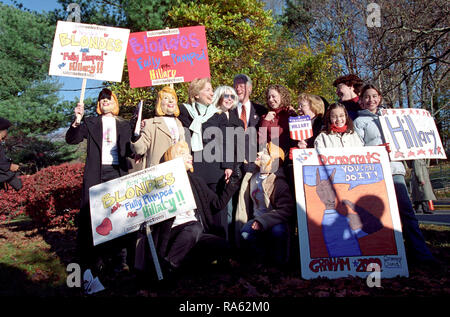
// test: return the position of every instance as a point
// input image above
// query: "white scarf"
(206, 112)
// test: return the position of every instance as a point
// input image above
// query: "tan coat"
(277, 198)
(155, 140)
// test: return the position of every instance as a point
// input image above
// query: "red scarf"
(337, 129)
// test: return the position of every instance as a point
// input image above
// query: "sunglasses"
(225, 96)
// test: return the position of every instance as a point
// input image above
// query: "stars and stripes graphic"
(300, 128)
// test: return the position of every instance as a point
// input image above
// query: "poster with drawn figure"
(167, 56)
(88, 51)
(347, 213)
(151, 195)
(412, 134)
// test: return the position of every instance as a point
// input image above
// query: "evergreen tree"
(28, 98)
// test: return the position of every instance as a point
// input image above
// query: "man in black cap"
(7, 168)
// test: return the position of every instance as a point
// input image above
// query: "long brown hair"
(367, 87)
(327, 121)
(285, 96)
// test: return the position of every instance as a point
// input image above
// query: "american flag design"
(300, 128)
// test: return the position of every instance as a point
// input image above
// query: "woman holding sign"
(190, 233)
(367, 125)
(162, 131)
(314, 107)
(108, 146)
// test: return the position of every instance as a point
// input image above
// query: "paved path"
(441, 215)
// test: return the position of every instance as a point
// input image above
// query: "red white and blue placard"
(300, 128)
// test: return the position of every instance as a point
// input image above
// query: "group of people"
(238, 156)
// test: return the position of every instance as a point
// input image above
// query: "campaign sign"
(167, 56)
(411, 134)
(88, 51)
(151, 195)
(347, 213)
(300, 128)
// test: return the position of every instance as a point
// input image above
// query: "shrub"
(12, 203)
(51, 197)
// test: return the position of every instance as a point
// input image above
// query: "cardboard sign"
(88, 51)
(412, 134)
(167, 56)
(347, 213)
(151, 195)
(300, 128)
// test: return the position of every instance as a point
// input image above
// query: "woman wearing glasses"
(226, 99)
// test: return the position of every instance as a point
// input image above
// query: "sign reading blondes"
(151, 195)
(88, 51)
(347, 213)
(167, 56)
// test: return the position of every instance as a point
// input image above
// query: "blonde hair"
(108, 94)
(171, 91)
(174, 150)
(218, 97)
(315, 103)
(275, 151)
(195, 86)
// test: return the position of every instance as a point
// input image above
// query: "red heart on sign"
(104, 228)
(105, 35)
(74, 31)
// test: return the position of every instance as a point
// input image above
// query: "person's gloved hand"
(236, 176)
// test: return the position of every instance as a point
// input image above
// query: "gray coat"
(421, 189)
(368, 126)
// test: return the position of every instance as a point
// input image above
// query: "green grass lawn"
(28, 263)
(34, 262)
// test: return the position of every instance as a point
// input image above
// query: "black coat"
(5, 164)
(317, 123)
(251, 135)
(237, 125)
(256, 112)
(91, 129)
(213, 171)
(208, 203)
(352, 108)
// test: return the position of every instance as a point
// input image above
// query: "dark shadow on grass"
(15, 282)
(62, 241)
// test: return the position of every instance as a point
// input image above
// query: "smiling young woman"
(274, 126)
(338, 129)
(367, 125)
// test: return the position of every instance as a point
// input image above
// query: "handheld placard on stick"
(83, 89)
(74, 9)
(153, 251)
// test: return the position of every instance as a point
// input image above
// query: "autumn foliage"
(51, 197)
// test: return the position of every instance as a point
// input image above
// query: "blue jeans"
(414, 239)
(273, 242)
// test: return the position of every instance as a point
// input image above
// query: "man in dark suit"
(250, 113)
